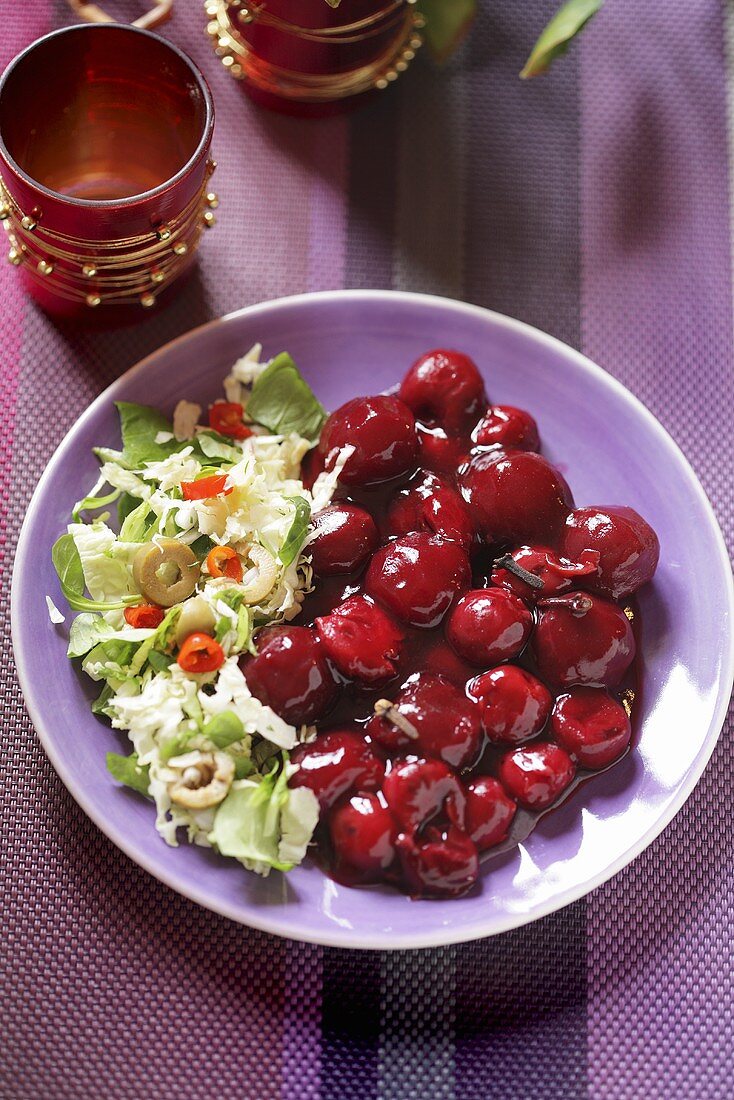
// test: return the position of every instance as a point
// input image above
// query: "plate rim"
(352, 939)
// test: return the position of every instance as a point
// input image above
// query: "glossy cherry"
(363, 836)
(429, 503)
(507, 427)
(514, 705)
(382, 431)
(557, 574)
(489, 811)
(537, 774)
(422, 792)
(291, 673)
(417, 576)
(438, 865)
(582, 639)
(344, 537)
(592, 726)
(515, 497)
(436, 719)
(440, 451)
(445, 387)
(628, 548)
(488, 625)
(335, 763)
(361, 639)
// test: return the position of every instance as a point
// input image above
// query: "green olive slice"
(166, 571)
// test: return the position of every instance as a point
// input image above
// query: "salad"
(193, 538)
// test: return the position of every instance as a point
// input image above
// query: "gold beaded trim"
(107, 272)
(244, 64)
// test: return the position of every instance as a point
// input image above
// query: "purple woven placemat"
(595, 204)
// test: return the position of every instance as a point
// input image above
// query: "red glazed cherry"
(344, 537)
(382, 431)
(514, 705)
(417, 576)
(361, 639)
(363, 838)
(515, 497)
(488, 625)
(335, 763)
(582, 639)
(290, 673)
(429, 503)
(446, 723)
(419, 792)
(445, 387)
(439, 866)
(591, 726)
(440, 452)
(507, 427)
(536, 775)
(489, 812)
(556, 574)
(628, 548)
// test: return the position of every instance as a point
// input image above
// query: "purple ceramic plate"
(610, 448)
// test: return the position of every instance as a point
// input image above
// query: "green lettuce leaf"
(224, 729)
(88, 630)
(68, 566)
(125, 769)
(298, 530)
(247, 824)
(558, 35)
(283, 402)
(447, 21)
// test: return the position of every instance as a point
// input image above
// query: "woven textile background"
(595, 204)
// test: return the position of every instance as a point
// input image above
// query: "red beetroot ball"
(361, 639)
(489, 625)
(489, 812)
(507, 427)
(536, 775)
(557, 574)
(419, 792)
(363, 838)
(312, 464)
(382, 431)
(335, 763)
(628, 548)
(447, 724)
(592, 726)
(582, 639)
(438, 865)
(291, 673)
(439, 451)
(445, 387)
(516, 496)
(514, 705)
(429, 503)
(344, 537)
(417, 576)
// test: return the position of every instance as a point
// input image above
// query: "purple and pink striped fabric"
(595, 204)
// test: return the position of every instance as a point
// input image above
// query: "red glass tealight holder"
(295, 54)
(105, 135)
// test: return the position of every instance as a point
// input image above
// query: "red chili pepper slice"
(225, 417)
(205, 487)
(223, 561)
(143, 615)
(200, 653)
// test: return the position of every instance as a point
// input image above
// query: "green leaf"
(558, 35)
(125, 769)
(99, 705)
(224, 729)
(175, 746)
(243, 767)
(244, 629)
(202, 546)
(298, 530)
(125, 505)
(159, 661)
(136, 526)
(247, 823)
(68, 566)
(140, 425)
(93, 504)
(283, 401)
(447, 21)
(159, 641)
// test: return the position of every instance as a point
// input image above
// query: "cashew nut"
(196, 617)
(205, 779)
(264, 580)
(166, 571)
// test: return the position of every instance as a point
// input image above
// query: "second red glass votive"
(105, 136)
